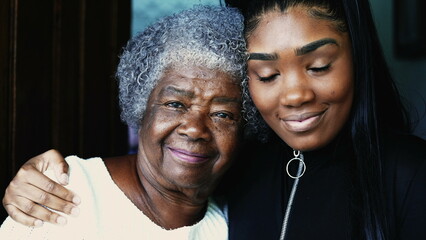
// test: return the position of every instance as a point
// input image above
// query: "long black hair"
(377, 106)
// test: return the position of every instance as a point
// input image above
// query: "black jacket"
(323, 208)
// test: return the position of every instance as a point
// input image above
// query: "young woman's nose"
(195, 126)
(295, 91)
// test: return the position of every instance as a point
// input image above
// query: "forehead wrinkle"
(171, 90)
(227, 100)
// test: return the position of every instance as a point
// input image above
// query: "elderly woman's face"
(301, 77)
(190, 131)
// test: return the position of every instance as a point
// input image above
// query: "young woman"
(318, 80)
(332, 158)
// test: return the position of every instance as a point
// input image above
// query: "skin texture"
(297, 86)
(33, 184)
(187, 140)
(301, 77)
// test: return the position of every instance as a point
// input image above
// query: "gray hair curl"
(207, 36)
(256, 127)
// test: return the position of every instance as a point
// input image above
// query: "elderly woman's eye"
(175, 105)
(223, 115)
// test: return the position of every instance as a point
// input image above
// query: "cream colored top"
(106, 213)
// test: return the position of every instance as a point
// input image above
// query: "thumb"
(54, 161)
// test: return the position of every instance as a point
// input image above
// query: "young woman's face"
(301, 77)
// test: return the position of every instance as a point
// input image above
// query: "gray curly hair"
(255, 127)
(207, 36)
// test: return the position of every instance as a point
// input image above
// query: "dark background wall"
(57, 86)
(408, 67)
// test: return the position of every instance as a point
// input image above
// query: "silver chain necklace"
(298, 156)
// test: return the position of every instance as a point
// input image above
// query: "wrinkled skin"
(187, 140)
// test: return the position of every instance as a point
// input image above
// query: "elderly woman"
(179, 84)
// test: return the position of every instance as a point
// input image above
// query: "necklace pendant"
(302, 166)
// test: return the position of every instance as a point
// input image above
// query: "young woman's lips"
(187, 156)
(303, 122)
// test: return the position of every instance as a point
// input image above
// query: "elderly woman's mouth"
(188, 156)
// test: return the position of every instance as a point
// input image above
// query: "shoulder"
(78, 182)
(405, 174)
(77, 162)
(255, 159)
(213, 225)
(399, 142)
(261, 154)
(86, 176)
(82, 171)
(256, 171)
(406, 152)
(404, 159)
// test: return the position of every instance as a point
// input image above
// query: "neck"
(168, 209)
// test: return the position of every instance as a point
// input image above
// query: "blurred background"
(58, 58)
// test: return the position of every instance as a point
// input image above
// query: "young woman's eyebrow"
(310, 47)
(263, 56)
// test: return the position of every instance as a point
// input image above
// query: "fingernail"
(61, 221)
(76, 200)
(64, 178)
(38, 223)
(75, 211)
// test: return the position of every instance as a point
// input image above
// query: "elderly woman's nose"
(195, 126)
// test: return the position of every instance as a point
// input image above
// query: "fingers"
(37, 214)
(21, 217)
(30, 187)
(29, 176)
(22, 203)
(27, 211)
(53, 160)
(60, 167)
(34, 194)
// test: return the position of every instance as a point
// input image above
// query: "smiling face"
(190, 131)
(301, 77)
